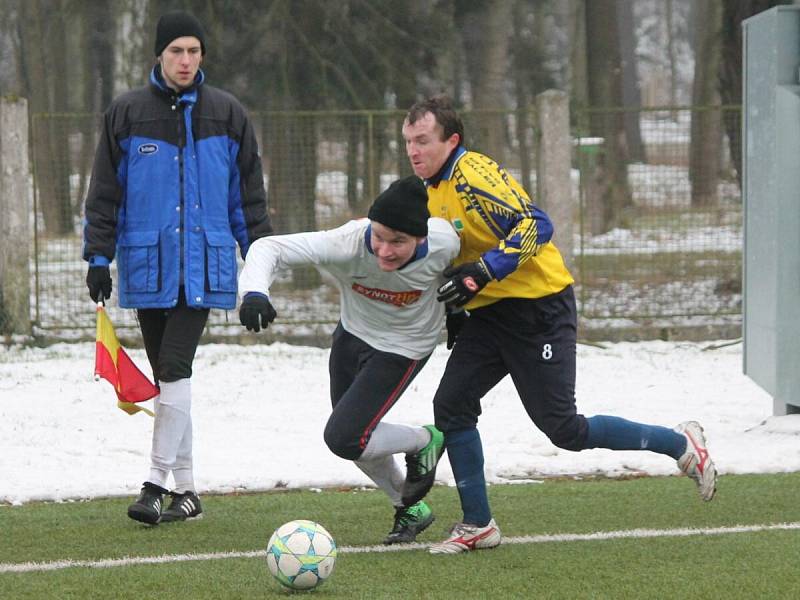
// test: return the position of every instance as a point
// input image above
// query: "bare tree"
(485, 28)
(95, 32)
(579, 88)
(43, 57)
(663, 50)
(610, 192)
(669, 20)
(132, 34)
(705, 150)
(631, 95)
(730, 65)
(9, 80)
(533, 23)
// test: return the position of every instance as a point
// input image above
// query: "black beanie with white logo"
(174, 25)
(403, 206)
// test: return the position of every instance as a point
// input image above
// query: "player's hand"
(465, 281)
(454, 322)
(98, 280)
(256, 311)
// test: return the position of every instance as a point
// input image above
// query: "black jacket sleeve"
(254, 196)
(104, 196)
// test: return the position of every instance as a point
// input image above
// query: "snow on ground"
(259, 412)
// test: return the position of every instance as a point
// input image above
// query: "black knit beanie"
(403, 206)
(177, 24)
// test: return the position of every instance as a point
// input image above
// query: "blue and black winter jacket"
(176, 184)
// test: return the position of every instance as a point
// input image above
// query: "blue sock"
(616, 433)
(465, 452)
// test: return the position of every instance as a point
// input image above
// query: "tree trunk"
(132, 41)
(10, 57)
(705, 149)
(292, 181)
(97, 50)
(355, 136)
(42, 43)
(521, 87)
(578, 56)
(611, 193)
(485, 30)
(631, 96)
(292, 172)
(405, 93)
(669, 9)
(730, 66)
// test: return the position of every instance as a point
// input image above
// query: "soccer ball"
(301, 554)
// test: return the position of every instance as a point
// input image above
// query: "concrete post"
(16, 206)
(554, 162)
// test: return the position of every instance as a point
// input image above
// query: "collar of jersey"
(446, 172)
(420, 253)
(188, 95)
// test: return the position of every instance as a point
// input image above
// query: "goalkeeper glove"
(465, 281)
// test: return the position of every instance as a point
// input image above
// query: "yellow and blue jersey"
(496, 221)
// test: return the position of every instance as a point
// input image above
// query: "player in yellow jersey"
(522, 321)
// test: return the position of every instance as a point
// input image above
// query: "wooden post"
(16, 206)
(554, 162)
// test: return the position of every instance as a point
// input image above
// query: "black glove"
(98, 280)
(454, 322)
(465, 282)
(256, 312)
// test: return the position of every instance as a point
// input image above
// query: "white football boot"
(465, 537)
(696, 461)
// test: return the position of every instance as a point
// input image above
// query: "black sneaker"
(408, 522)
(185, 506)
(147, 507)
(421, 468)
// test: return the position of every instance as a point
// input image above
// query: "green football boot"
(408, 522)
(421, 468)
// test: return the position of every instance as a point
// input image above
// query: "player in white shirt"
(387, 269)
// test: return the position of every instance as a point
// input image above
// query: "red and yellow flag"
(112, 363)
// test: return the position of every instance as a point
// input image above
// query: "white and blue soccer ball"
(301, 554)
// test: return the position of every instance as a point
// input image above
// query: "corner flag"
(113, 364)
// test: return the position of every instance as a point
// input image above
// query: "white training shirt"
(392, 311)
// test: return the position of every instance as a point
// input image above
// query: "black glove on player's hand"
(256, 312)
(465, 282)
(454, 322)
(98, 280)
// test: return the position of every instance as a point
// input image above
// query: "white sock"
(388, 439)
(172, 418)
(386, 474)
(157, 474)
(183, 471)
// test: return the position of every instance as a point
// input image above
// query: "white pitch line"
(32, 567)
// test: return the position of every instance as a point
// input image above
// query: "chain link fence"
(671, 249)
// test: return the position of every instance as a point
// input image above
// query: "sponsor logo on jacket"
(387, 296)
(148, 148)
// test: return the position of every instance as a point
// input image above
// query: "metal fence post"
(554, 161)
(16, 205)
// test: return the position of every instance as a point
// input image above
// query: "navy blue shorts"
(533, 340)
(365, 384)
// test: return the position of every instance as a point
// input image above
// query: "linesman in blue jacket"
(176, 185)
